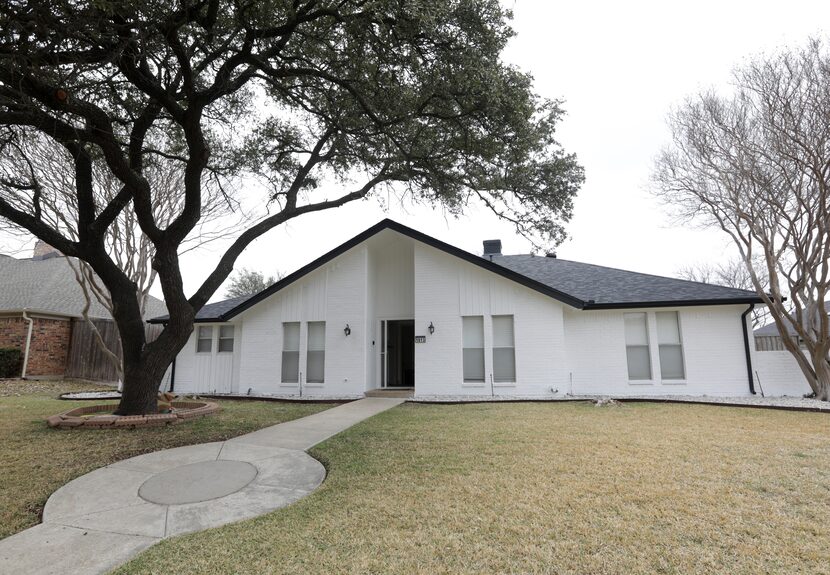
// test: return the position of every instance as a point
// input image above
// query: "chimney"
(492, 248)
(44, 251)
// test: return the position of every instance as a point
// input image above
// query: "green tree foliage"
(248, 282)
(304, 97)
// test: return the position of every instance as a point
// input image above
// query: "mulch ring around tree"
(101, 416)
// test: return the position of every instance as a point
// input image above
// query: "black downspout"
(746, 349)
(173, 375)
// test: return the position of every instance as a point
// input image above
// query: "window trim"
(681, 345)
(493, 348)
(308, 382)
(199, 338)
(232, 338)
(640, 380)
(283, 351)
(474, 382)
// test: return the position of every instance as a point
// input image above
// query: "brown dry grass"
(545, 488)
(36, 460)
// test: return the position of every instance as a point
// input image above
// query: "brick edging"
(73, 418)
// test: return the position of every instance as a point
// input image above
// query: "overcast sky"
(619, 66)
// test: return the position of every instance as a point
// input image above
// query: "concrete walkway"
(102, 519)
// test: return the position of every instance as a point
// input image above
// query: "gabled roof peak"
(566, 281)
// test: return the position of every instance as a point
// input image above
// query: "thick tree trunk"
(822, 386)
(146, 363)
(140, 390)
(144, 369)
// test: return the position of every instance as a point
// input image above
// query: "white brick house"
(396, 308)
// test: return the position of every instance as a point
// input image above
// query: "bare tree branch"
(756, 165)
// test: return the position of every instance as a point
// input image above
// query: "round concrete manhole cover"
(197, 482)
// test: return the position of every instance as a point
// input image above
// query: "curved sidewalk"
(102, 519)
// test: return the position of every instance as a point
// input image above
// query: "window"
(636, 346)
(671, 348)
(291, 352)
(504, 351)
(225, 338)
(316, 358)
(472, 328)
(204, 339)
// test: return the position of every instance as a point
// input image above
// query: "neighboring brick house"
(42, 291)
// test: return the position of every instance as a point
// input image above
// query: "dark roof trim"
(388, 224)
(479, 261)
(676, 303)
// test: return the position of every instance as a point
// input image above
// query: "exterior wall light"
(347, 330)
(431, 328)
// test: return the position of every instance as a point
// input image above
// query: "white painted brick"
(557, 347)
(779, 375)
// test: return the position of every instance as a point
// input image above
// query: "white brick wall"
(558, 349)
(335, 293)
(212, 372)
(778, 374)
(713, 350)
(446, 289)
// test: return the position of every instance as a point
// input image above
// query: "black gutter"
(672, 303)
(587, 306)
(746, 349)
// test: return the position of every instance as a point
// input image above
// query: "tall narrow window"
(472, 328)
(316, 358)
(636, 346)
(204, 341)
(671, 348)
(504, 351)
(225, 338)
(291, 352)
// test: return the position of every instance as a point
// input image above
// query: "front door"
(397, 353)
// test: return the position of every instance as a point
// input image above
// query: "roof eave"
(673, 303)
(415, 235)
(46, 312)
(461, 254)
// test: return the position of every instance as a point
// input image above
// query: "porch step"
(391, 392)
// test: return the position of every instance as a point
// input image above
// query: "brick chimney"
(44, 251)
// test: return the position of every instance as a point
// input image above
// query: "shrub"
(10, 362)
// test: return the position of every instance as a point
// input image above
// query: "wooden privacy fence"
(86, 359)
(771, 343)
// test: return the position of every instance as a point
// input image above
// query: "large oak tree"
(302, 97)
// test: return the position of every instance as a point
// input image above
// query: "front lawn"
(36, 460)
(545, 488)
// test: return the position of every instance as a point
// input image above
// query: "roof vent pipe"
(492, 248)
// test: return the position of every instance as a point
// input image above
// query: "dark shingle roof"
(584, 286)
(615, 287)
(212, 311)
(771, 329)
(49, 286)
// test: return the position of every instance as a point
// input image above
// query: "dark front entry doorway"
(397, 365)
